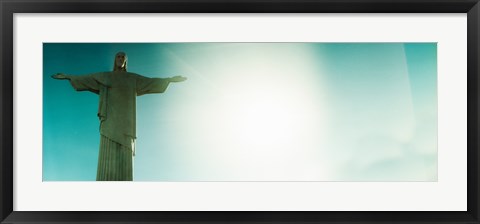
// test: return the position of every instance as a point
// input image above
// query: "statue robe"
(117, 113)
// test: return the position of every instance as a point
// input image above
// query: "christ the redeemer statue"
(118, 91)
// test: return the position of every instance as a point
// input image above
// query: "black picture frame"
(10, 7)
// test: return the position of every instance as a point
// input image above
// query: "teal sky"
(254, 111)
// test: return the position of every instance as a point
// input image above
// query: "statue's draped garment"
(117, 113)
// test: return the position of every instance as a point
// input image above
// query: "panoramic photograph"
(193, 112)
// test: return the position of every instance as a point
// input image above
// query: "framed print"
(208, 111)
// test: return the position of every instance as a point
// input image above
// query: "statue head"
(120, 62)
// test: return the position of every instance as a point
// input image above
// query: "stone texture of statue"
(117, 90)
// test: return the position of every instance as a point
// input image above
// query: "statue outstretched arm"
(88, 82)
(155, 85)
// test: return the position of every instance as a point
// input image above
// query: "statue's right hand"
(59, 76)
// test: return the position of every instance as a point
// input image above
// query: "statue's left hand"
(60, 76)
(177, 79)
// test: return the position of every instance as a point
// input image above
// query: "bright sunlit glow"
(266, 120)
